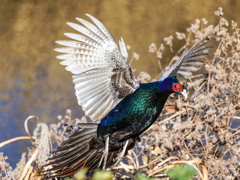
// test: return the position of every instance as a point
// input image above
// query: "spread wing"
(189, 61)
(102, 73)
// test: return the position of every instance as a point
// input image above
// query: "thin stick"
(15, 139)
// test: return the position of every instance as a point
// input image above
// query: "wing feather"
(103, 29)
(84, 39)
(86, 32)
(189, 61)
(102, 73)
(93, 28)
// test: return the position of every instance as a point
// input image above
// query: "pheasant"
(108, 91)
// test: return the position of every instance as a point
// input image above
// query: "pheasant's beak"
(185, 93)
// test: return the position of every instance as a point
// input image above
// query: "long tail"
(75, 154)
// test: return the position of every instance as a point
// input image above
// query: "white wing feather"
(98, 65)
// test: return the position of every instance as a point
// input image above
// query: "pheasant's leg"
(120, 156)
(105, 154)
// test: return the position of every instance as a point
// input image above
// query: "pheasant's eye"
(177, 87)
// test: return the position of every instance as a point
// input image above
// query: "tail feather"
(73, 154)
(64, 154)
(82, 133)
(93, 160)
(73, 142)
(76, 140)
(81, 150)
(111, 158)
(62, 162)
(70, 157)
(80, 164)
(92, 165)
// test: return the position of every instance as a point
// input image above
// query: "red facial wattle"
(177, 87)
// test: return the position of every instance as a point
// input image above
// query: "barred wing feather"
(102, 73)
(189, 61)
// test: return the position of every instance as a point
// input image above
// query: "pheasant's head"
(174, 84)
(179, 85)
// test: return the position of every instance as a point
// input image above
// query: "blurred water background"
(31, 80)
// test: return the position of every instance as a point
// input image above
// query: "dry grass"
(197, 131)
